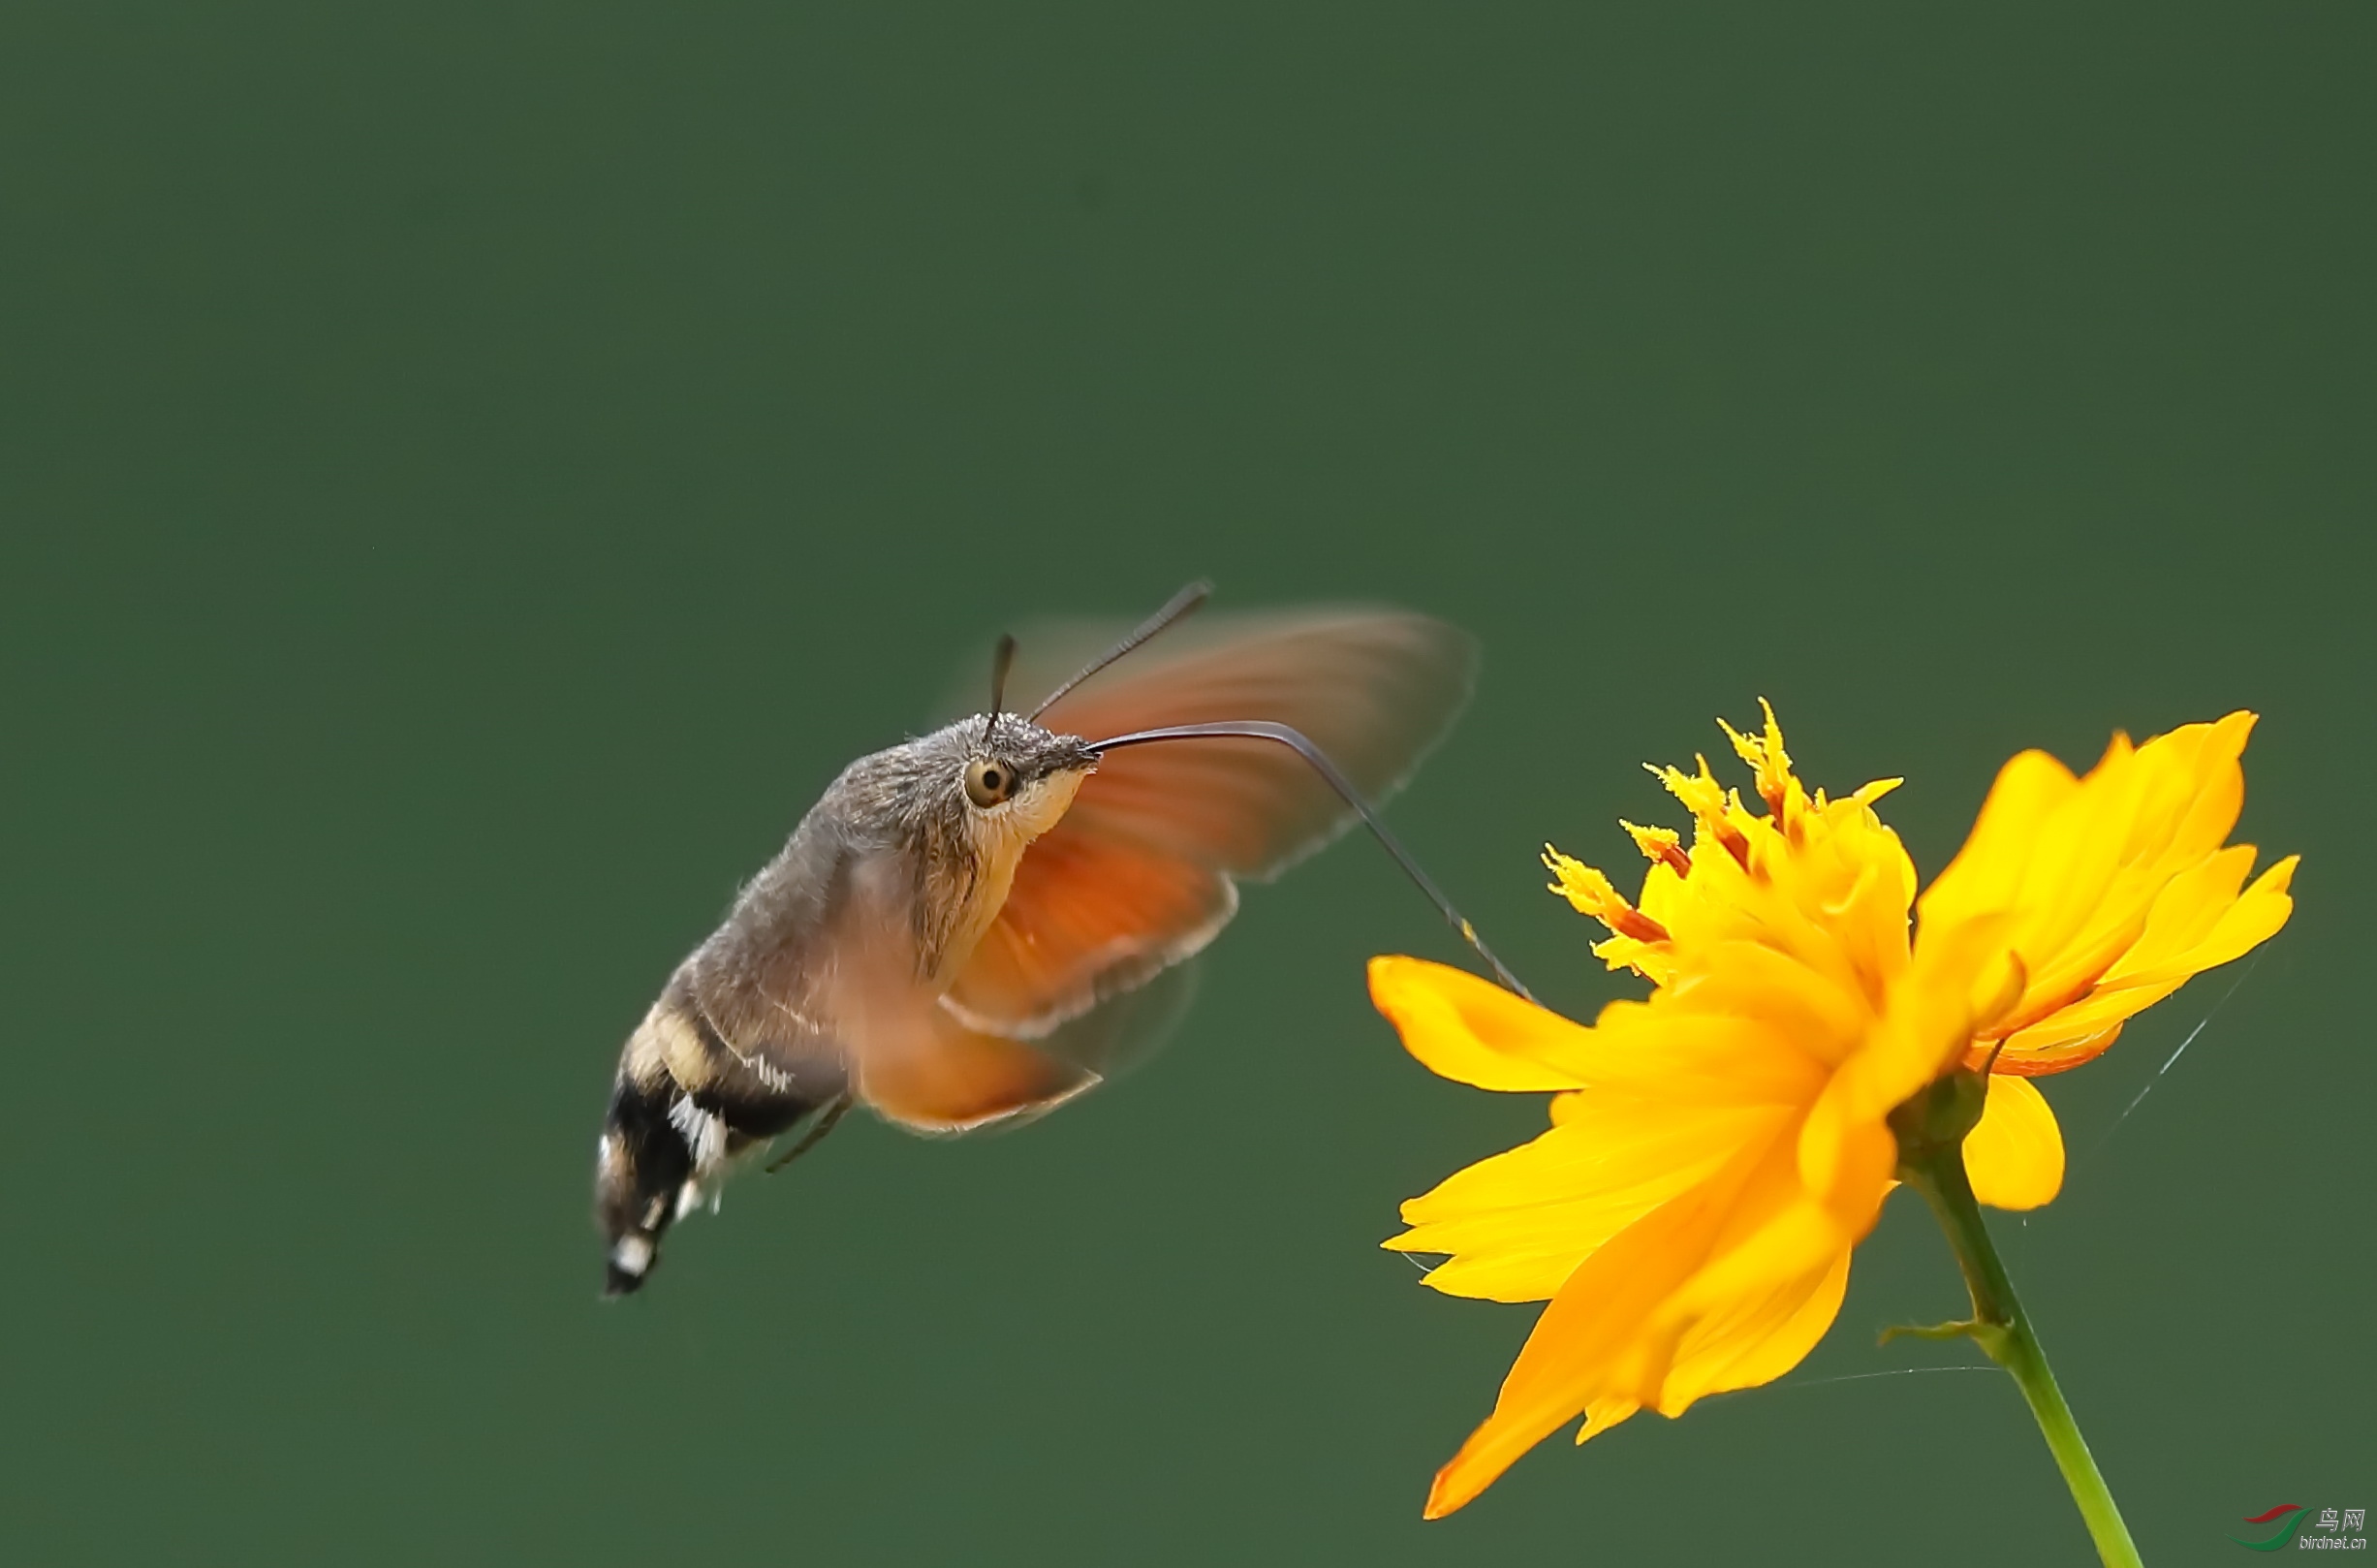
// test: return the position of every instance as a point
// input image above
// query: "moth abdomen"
(684, 1104)
(642, 1164)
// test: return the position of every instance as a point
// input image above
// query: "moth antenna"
(1176, 607)
(1301, 745)
(1002, 660)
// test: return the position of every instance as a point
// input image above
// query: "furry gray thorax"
(897, 830)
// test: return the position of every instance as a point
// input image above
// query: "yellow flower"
(1716, 1151)
(2119, 883)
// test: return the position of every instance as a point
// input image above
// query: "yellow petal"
(1668, 1049)
(2092, 1021)
(1758, 1341)
(1579, 1351)
(1727, 1285)
(1470, 1030)
(1517, 1225)
(2201, 782)
(1603, 1414)
(1927, 1025)
(1771, 1240)
(2185, 912)
(1822, 1014)
(2114, 880)
(2084, 1029)
(2024, 1056)
(2014, 1155)
(1990, 867)
(2256, 915)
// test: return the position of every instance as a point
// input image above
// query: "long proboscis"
(1303, 745)
(1175, 607)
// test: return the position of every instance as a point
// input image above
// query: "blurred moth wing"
(1140, 872)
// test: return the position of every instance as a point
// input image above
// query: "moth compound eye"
(988, 782)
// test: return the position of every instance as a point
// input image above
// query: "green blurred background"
(470, 474)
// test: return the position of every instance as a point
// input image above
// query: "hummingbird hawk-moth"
(977, 925)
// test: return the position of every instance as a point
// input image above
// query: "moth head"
(1014, 780)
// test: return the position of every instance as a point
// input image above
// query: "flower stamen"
(1662, 845)
(1706, 799)
(1769, 765)
(1591, 892)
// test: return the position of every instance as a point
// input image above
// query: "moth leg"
(833, 1111)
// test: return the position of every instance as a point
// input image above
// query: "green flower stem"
(1934, 1166)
